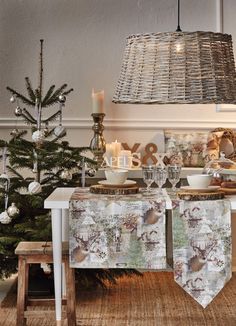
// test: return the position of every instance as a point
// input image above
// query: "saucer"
(126, 184)
(207, 189)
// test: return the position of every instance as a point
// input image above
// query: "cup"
(199, 180)
(116, 176)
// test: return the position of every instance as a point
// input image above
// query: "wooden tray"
(229, 191)
(105, 190)
(185, 195)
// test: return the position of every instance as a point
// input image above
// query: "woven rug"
(154, 300)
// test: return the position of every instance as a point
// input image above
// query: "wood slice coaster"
(229, 191)
(105, 190)
(185, 195)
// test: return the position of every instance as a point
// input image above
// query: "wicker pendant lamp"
(177, 67)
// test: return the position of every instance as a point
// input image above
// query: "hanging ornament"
(59, 131)
(14, 132)
(12, 99)
(35, 163)
(91, 172)
(38, 136)
(62, 98)
(13, 210)
(5, 218)
(34, 187)
(18, 111)
(46, 268)
(66, 175)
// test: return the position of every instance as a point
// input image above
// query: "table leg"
(65, 237)
(57, 259)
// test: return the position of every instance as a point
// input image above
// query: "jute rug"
(152, 300)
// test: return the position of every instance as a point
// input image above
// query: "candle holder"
(98, 144)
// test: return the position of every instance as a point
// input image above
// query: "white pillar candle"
(98, 101)
(116, 148)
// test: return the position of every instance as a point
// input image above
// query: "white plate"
(207, 189)
(127, 183)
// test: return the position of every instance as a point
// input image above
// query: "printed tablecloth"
(108, 231)
(117, 231)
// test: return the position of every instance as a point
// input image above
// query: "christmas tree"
(33, 167)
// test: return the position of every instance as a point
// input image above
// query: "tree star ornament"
(38, 136)
(34, 188)
(5, 218)
(13, 210)
(18, 111)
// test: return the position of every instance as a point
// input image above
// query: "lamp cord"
(178, 29)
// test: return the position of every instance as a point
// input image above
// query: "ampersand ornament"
(150, 150)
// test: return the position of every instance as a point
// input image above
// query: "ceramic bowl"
(199, 180)
(116, 176)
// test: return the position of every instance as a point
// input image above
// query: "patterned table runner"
(130, 232)
(202, 247)
(108, 231)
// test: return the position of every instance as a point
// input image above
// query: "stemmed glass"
(174, 175)
(148, 176)
(160, 176)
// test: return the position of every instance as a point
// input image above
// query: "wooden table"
(58, 202)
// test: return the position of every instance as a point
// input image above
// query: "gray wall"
(84, 42)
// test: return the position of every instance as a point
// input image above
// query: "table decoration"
(202, 247)
(98, 144)
(114, 190)
(200, 195)
(117, 231)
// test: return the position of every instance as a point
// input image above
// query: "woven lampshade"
(177, 67)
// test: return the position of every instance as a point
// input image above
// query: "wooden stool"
(37, 253)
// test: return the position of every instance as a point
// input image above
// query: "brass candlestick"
(98, 144)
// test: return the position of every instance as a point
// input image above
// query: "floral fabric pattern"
(202, 247)
(117, 231)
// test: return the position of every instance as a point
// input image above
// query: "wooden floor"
(153, 300)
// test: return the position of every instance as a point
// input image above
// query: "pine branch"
(29, 116)
(14, 172)
(30, 89)
(54, 98)
(27, 120)
(22, 97)
(40, 88)
(48, 95)
(68, 92)
(52, 117)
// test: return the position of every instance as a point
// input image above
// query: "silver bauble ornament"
(12, 99)
(59, 131)
(18, 111)
(91, 172)
(34, 187)
(14, 132)
(38, 136)
(62, 98)
(66, 175)
(5, 218)
(13, 210)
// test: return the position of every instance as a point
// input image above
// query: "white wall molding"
(124, 124)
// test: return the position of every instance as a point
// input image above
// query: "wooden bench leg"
(70, 294)
(21, 290)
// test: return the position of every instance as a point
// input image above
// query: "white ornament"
(46, 268)
(13, 210)
(12, 99)
(5, 218)
(59, 131)
(66, 175)
(34, 187)
(38, 136)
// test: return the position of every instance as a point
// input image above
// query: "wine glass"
(160, 176)
(174, 175)
(148, 176)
